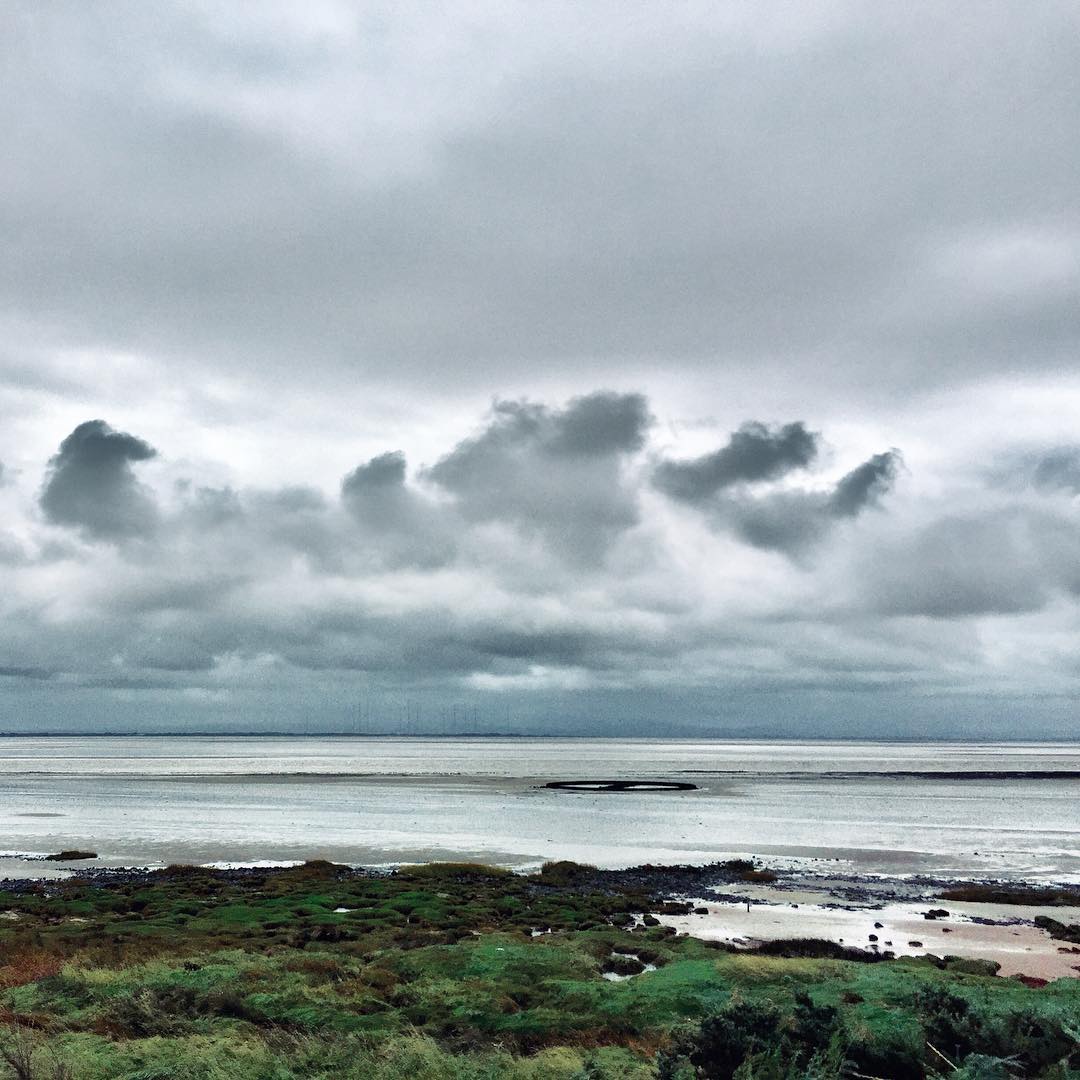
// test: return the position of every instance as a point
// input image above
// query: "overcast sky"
(601, 367)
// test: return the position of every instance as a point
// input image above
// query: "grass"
(433, 972)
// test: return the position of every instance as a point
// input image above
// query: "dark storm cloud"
(753, 454)
(91, 485)
(792, 521)
(599, 424)
(782, 521)
(381, 473)
(865, 485)
(723, 484)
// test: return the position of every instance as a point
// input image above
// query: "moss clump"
(565, 872)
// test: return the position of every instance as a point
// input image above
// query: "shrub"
(566, 872)
(816, 948)
(751, 1032)
(957, 1028)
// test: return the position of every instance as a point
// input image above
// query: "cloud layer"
(556, 550)
(778, 305)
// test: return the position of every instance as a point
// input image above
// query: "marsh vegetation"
(453, 970)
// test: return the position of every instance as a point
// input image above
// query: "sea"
(972, 811)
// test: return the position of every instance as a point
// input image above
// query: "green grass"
(433, 973)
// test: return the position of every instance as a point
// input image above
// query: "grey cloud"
(215, 507)
(618, 202)
(296, 499)
(478, 573)
(12, 552)
(400, 526)
(793, 521)
(126, 682)
(167, 657)
(91, 484)
(1059, 470)
(782, 521)
(752, 454)
(599, 424)
(865, 485)
(723, 485)
(386, 471)
(555, 473)
(836, 211)
(959, 566)
(35, 673)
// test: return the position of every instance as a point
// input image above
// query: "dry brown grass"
(27, 965)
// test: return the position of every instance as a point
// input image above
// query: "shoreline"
(744, 904)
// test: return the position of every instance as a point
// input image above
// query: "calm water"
(875, 807)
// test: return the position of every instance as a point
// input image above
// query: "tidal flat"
(462, 970)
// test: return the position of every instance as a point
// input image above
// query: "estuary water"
(963, 810)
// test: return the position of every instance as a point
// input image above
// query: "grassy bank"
(459, 971)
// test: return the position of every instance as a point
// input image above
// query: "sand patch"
(1020, 948)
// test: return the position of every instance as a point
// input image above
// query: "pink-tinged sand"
(1019, 949)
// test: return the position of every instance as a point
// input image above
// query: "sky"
(607, 368)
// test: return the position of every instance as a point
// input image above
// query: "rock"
(873, 937)
(1058, 930)
(1033, 981)
(701, 911)
(71, 856)
(675, 907)
(878, 926)
(915, 945)
(650, 920)
(936, 913)
(622, 964)
(968, 965)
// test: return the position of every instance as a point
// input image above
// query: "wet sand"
(1010, 940)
